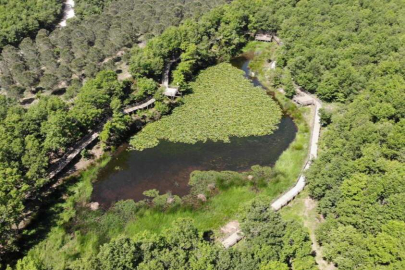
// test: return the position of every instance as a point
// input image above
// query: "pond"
(167, 167)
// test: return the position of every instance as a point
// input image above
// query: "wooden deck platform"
(267, 37)
(264, 37)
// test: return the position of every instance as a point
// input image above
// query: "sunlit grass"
(217, 211)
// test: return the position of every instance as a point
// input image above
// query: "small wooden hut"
(265, 37)
(171, 91)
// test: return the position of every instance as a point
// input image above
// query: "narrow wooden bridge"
(313, 153)
(140, 107)
(65, 160)
(88, 139)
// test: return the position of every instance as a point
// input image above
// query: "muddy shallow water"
(167, 167)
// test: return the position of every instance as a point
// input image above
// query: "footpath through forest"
(87, 140)
(279, 203)
(301, 98)
(68, 12)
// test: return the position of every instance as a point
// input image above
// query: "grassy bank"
(290, 164)
(226, 205)
(79, 231)
(46, 232)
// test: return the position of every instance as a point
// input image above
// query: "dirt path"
(311, 221)
(68, 12)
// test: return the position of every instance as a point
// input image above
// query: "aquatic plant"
(223, 104)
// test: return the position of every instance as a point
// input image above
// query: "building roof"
(171, 92)
(263, 37)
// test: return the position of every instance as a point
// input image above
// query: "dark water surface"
(167, 167)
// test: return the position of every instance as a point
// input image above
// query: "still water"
(167, 167)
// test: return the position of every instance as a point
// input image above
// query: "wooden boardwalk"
(284, 199)
(139, 107)
(264, 37)
(88, 139)
(65, 160)
(313, 153)
(169, 91)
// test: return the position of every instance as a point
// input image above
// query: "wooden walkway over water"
(88, 139)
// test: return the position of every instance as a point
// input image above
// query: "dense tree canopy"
(270, 242)
(90, 44)
(85, 8)
(348, 51)
(353, 52)
(334, 48)
(19, 19)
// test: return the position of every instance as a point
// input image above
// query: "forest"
(347, 52)
(55, 60)
(359, 176)
(34, 138)
(20, 19)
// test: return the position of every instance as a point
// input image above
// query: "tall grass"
(217, 211)
(291, 162)
(226, 205)
(63, 244)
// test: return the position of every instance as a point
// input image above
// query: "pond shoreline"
(211, 220)
(126, 176)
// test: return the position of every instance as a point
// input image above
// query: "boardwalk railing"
(87, 140)
(140, 107)
(301, 182)
(169, 91)
(313, 151)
